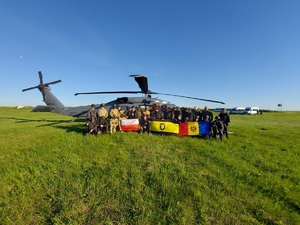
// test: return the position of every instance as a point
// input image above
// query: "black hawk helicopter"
(55, 106)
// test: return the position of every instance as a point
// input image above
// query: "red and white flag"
(130, 124)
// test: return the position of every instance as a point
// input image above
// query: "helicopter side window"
(122, 100)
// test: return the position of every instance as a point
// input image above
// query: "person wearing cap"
(92, 113)
(114, 111)
(102, 112)
(225, 118)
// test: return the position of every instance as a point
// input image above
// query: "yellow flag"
(161, 126)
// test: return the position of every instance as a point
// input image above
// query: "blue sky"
(244, 53)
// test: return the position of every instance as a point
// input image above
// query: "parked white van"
(237, 110)
(251, 110)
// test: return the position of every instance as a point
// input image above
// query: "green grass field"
(51, 173)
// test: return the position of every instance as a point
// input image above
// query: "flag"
(130, 124)
(164, 127)
(204, 128)
(194, 128)
(189, 129)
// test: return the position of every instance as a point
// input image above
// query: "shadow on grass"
(78, 126)
(81, 129)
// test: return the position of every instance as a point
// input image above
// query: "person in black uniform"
(92, 127)
(225, 118)
(92, 113)
(145, 124)
(207, 115)
(176, 113)
(217, 128)
(132, 114)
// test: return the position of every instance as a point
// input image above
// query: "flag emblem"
(193, 128)
(162, 126)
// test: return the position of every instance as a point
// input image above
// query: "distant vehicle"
(251, 110)
(217, 109)
(237, 110)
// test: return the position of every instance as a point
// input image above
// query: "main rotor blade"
(41, 85)
(53, 82)
(142, 82)
(108, 92)
(182, 96)
(41, 77)
(27, 89)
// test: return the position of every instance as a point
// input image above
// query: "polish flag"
(130, 124)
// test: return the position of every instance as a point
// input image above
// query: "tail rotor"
(42, 86)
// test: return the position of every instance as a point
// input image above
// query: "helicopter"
(55, 106)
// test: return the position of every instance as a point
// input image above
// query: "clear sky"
(241, 52)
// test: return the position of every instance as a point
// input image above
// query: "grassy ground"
(52, 174)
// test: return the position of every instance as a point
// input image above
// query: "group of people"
(101, 120)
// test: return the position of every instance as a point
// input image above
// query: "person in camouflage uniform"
(146, 112)
(139, 112)
(113, 124)
(114, 111)
(102, 112)
(123, 116)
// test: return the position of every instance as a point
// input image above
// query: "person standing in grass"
(225, 118)
(92, 113)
